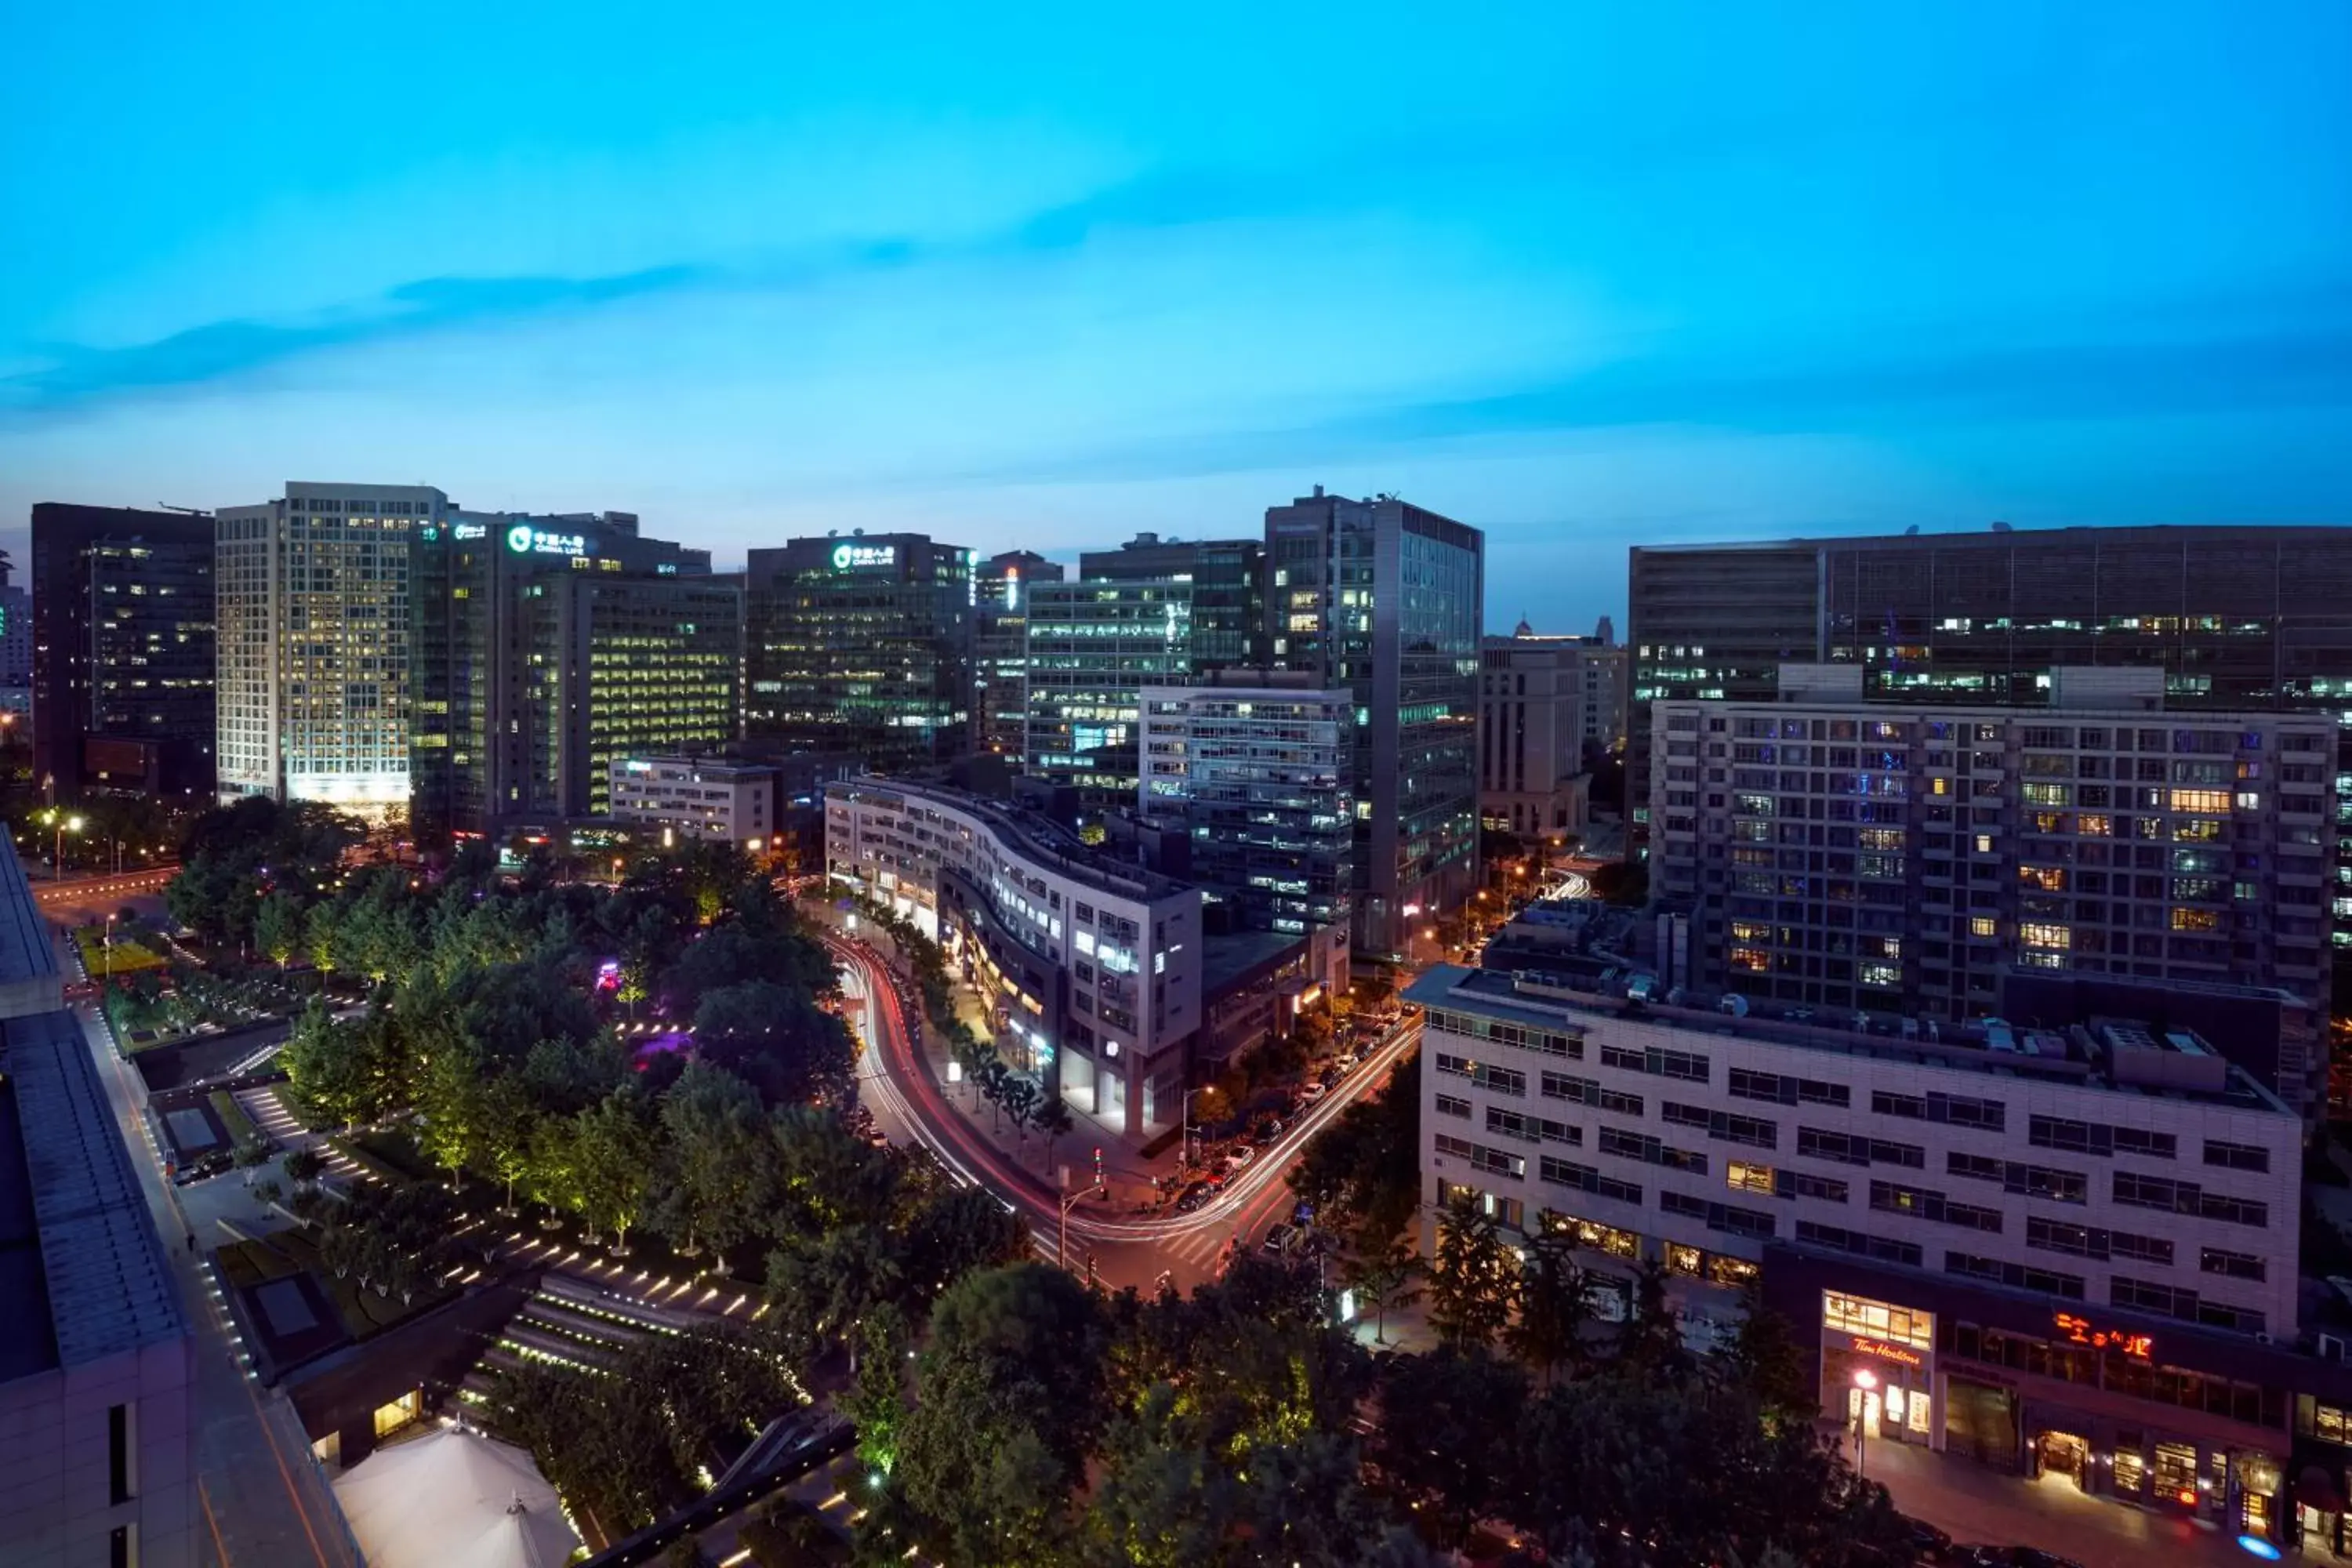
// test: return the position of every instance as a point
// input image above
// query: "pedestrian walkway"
(1986, 1507)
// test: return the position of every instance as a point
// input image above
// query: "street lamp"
(1184, 1146)
(65, 825)
(1865, 1380)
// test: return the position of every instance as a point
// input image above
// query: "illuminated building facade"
(999, 648)
(2238, 620)
(1845, 853)
(123, 649)
(313, 614)
(2071, 1253)
(548, 646)
(1260, 779)
(1093, 966)
(1092, 649)
(1385, 600)
(862, 644)
(1227, 578)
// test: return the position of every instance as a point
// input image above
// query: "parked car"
(1240, 1156)
(1194, 1196)
(1328, 1076)
(1278, 1238)
(1311, 1093)
(1927, 1542)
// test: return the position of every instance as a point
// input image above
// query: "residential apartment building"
(545, 648)
(314, 619)
(1092, 648)
(1385, 600)
(862, 644)
(15, 645)
(2041, 1246)
(1097, 966)
(1845, 853)
(2238, 619)
(1227, 577)
(1259, 778)
(97, 1411)
(1543, 713)
(1000, 650)
(123, 649)
(714, 799)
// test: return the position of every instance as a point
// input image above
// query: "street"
(910, 1106)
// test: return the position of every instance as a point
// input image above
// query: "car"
(1328, 1076)
(1927, 1542)
(1347, 1060)
(2009, 1557)
(1311, 1093)
(1278, 1238)
(1194, 1196)
(1241, 1156)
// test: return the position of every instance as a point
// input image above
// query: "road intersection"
(898, 1084)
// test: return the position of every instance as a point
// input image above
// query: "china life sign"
(525, 540)
(858, 557)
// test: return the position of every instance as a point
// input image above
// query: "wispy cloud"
(1853, 395)
(76, 374)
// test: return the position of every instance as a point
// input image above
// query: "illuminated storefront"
(2161, 1416)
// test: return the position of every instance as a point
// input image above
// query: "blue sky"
(1584, 276)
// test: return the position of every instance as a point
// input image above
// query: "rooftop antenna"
(191, 510)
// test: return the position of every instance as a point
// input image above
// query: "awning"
(2317, 1487)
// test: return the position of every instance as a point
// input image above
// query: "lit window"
(1980, 925)
(2203, 799)
(2196, 920)
(1878, 1321)
(2035, 935)
(1984, 843)
(1745, 1178)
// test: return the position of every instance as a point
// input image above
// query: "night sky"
(1583, 276)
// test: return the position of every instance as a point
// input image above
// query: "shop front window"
(1860, 1316)
(2176, 1473)
(2131, 1465)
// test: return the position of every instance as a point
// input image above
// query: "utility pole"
(1062, 1221)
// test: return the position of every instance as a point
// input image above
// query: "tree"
(1449, 1434)
(329, 1067)
(951, 1232)
(717, 1169)
(251, 1154)
(1471, 1276)
(776, 1037)
(876, 1401)
(278, 927)
(1555, 1306)
(612, 1155)
(1010, 1405)
(507, 1120)
(1762, 1358)
(1652, 1339)
(1052, 1118)
(1381, 1274)
(454, 1102)
(303, 1168)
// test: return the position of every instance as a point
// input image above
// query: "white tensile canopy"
(454, 1499)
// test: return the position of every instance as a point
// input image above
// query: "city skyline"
(1604, 282)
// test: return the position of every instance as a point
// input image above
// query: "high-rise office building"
(2239, 619)
(1227, 577)
(1260, 777)
(16, 643)
(547, 646)
(314, 617)
(1846, 853)
(1548, 709)
(861, 643)
(123, 649)
(999, 648)
(1092, 649)
(1385, 599)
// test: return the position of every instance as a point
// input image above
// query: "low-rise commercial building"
(1094, 968)
(712, 799)
(2045, 1249)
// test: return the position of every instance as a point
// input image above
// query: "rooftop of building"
(2111, 691)
(2120, 1056)
(1999, 533)
(25, 951)
(718, 768)
(90, 1281)
(1039, 837)
(1231, 959)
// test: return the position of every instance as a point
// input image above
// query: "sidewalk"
(1985, 1507)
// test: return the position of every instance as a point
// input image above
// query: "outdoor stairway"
(570, 1322)
(275, 1123)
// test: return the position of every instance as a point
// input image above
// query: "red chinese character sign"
(2083, 1332)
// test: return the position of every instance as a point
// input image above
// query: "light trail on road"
(906, 1087)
